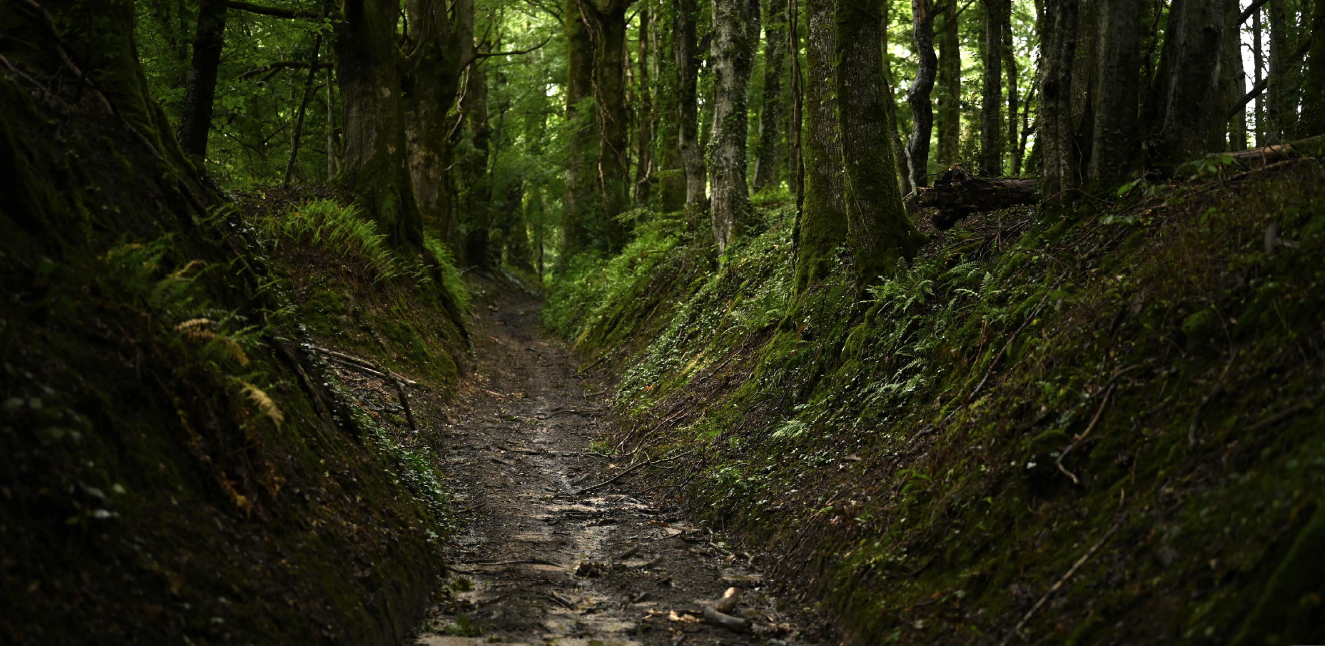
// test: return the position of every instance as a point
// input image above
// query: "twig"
(1059, 583)
(1077, 440)
(628, 472)
(518, 562)
(368, 364)
(376, 370)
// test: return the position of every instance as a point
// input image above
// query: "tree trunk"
(890, 106)
(579, 204)
(768, 162)
(1258, 61)
(474, 173)
(607, 31)
(671, 177)
(823, 225)
(298, 132)
(1055, 135)
(687, 68)
(1115, 148)
(195, 123)
(644, 175)
(922, 112)
(375, 166)
(878, 231)
(991, 96)
(735, 40)
(795, 160)
(1313, 85)
(949, 90)
(957, 193)
(1234, 82)
(1014, 98)
(441, 47)
(1184, 101)
(1282, 109)
(333, 145)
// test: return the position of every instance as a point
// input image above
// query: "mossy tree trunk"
(1055, 135)
(922, 111)
(606, 21)
(949, 90)
(473, 166)
(890, 105)
(671, 176)
(1013, 91)
(580, 201)
(878, 231)
(735, 39)
(442, 47)
(195, 122)
(1115, 146)
(991, 90)
(823, 224)
(687, 99)
(1184, 103)
(1313, 85)
(644, 162)
(375, 164)
(768, 160)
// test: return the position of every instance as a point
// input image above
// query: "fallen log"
(957, 193)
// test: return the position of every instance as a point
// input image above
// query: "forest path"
(548, 566)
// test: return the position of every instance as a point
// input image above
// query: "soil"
(539, 562)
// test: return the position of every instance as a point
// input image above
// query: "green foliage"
(343, 233)
(911, 437)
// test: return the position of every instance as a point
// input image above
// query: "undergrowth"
(1137, 390)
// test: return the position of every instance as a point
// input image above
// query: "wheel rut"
(539, 564)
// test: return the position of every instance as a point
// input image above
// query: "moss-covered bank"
(1132, 397)
(178, 466)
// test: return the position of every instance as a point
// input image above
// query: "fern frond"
(264, 402)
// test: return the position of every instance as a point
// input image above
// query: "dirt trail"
(548, 566)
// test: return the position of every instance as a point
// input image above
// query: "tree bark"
(671, 177)
(957, 193)
(949, 90)
(1313, 83)
(375, 165)
(735, 39)
(796, 161)
(195, 122)
(579, 203)
(991, 96)
(768, 161)
(442, 47)
(823, 225)
(1258, 60)
(687, 67)
(1282, 111)
(1115, 148)
(607, 31)
(644, 164)
(1184, 100)
(879, 233)
(1234, 83)
(473, 167)
(922, 112)
(1055, 133)
(1013, 92)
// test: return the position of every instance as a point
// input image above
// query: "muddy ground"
(540, 560)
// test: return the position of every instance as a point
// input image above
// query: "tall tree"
(644, 163)
(878, 231)
(1013, 92)
(580, 202)
(687, 105)
(1115, 146)
(671, 175)
(442, 45)
(195, 124)
(1055, 134)
(922, 112)
(991, 94)
(375, 167)
(1282, 106)
(768, 163)
(1313, 85)
(606, 23)
(823, 225)
(473, 167)
(735, 38)
(1258, 62)
(1183, 104)
(949, 89)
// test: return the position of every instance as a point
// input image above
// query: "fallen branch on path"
(628, 472)
(721, 620)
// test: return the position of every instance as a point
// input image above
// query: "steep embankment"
(1095, 431)
(179, 465)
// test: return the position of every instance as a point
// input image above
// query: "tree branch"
(1251, 10)
(1260, 86)
(281, 65)
(275, 12)
(517, 52)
